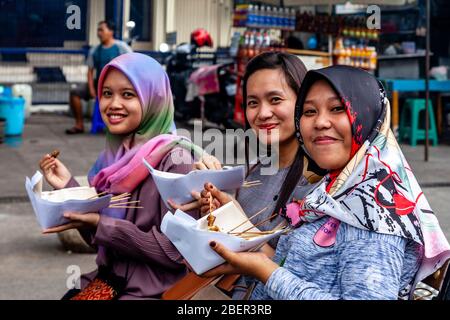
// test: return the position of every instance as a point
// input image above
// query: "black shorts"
(81, 90)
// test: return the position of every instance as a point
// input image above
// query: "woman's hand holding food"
(55, 172)
(255, 264)
(219, 198)
(208, 162)
(187, 206)
(77, 220)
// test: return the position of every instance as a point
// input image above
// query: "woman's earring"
(299, 137)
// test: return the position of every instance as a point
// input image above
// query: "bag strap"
(227, 282)
(187, 287)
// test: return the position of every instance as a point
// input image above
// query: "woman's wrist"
(265, 270)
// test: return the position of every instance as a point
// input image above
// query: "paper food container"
(191, 237)
(50, 206)
(178, 187)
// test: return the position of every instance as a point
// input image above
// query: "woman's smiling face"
(270, 106)
(120, 106)
(325, 127)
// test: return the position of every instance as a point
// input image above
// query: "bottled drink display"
(265, 26)
(339, 26)
(361, 56)
(264, 17)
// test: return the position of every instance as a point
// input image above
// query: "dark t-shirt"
(100, 56)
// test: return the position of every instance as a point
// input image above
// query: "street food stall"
(396, 50)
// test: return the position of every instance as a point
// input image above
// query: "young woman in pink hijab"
(137, 107)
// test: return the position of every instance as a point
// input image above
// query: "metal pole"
(427, 82)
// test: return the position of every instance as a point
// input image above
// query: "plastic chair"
(411, 129)
(97, 122)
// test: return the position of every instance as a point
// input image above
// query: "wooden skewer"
(124, 203)
(121, 199)
(210, 203)
(125, 207)
(120, 196)
(258, 224)
(253, 234)
(260, 232)
(254, 181)
(251, 185)
(210, 218)
(98, 195)
(253, 216)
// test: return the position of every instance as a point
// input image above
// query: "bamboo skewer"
(123, 199)
(97, 195)
(254, 181)
(256, 225)
(125, 207)
(249, 219)
(254, 234)
(121, 196)
(260, 232)
(120, 200)
(124, 203)
(249, 184)
(211, 218)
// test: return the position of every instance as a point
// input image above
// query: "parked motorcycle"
(205, 92)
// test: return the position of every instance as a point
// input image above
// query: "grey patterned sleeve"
(367, 269)
(123, 47)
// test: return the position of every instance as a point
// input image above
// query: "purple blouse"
(135, 247)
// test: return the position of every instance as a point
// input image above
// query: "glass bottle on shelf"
(252, 45)
(270, 18)
(258, 42)
(372, 58)
(250, 16)
(285, 18)
(267, 41)
(293, 20)
(258, 17)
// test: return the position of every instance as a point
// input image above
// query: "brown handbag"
(194, 287)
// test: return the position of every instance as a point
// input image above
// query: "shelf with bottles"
(264, 17)
(256, 41)
(361, 56)
(337, 26)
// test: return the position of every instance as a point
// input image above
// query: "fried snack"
(214, 228)
(55, 153)
(211, 220)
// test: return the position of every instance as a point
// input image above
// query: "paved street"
(33, 266)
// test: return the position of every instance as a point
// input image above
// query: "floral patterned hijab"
(377, 189)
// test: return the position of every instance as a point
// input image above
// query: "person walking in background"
(98, 57)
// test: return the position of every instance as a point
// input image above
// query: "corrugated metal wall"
(213, 15)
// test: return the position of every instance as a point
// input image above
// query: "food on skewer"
(211, 218)
(55, 153)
